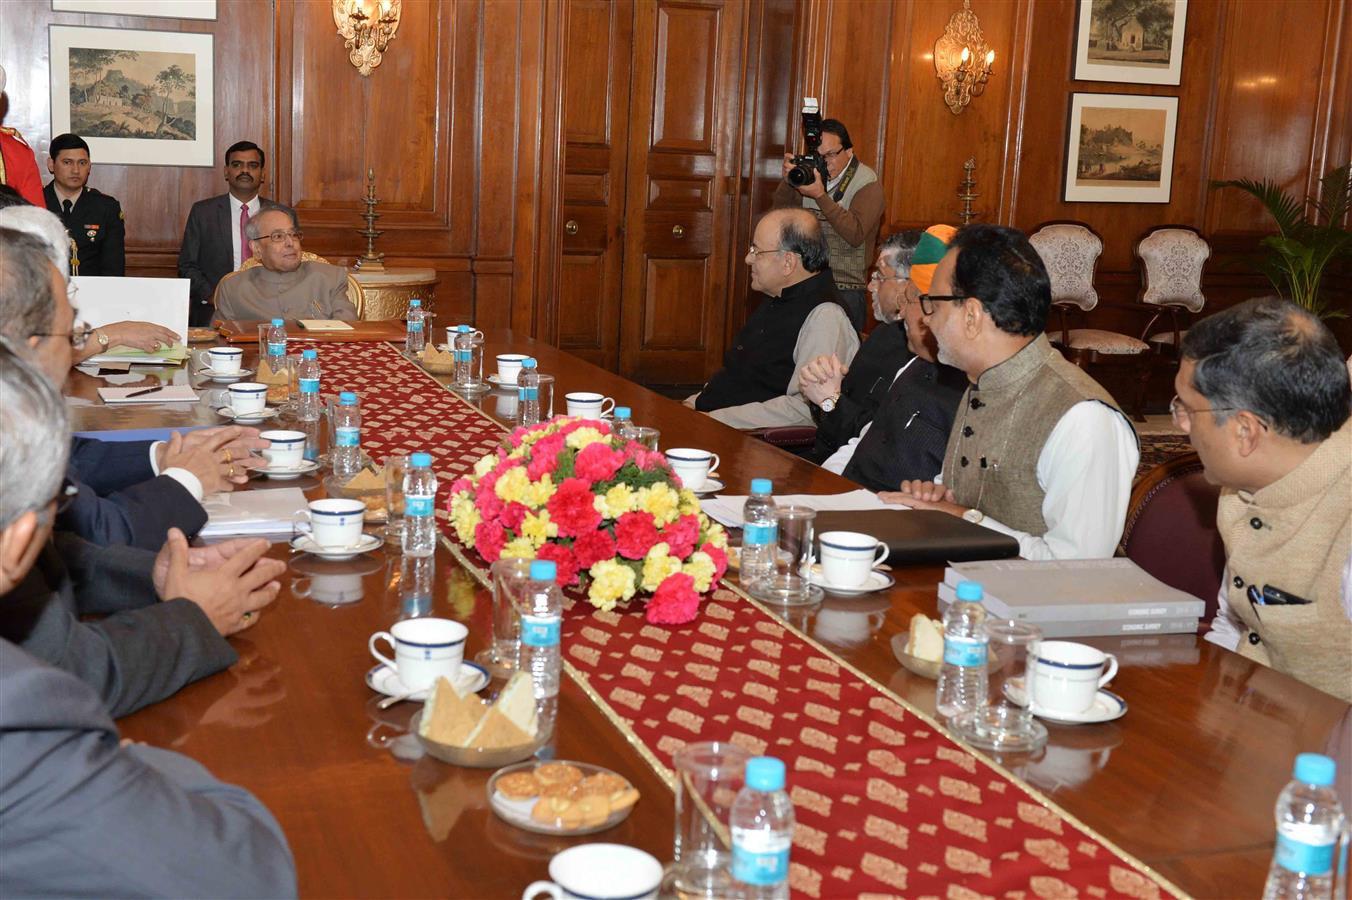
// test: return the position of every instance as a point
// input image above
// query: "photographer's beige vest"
(848, 263)
(1002, 423)
(1295, 535)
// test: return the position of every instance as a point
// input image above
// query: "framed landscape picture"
(1120, 148)
(1135, 41)
(137, 97)
(171, 9)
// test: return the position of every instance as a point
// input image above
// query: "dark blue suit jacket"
(121, 500)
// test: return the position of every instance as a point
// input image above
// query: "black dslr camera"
(811, 161)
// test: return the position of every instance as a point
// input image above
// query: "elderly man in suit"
(286, 285)
(214, 242)
(80, 814)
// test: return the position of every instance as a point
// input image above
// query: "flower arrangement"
(610, 513)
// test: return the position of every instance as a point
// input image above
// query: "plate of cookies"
(561, 797)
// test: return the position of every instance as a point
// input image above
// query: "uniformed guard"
(93, 219)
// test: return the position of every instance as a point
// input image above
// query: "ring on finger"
(247, 617)
(229, 457)
(230, 473)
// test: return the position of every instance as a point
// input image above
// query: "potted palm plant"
(1304, 247)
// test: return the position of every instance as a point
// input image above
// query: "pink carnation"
(650, 459)
(461, 485)
(681, 536)
(719, 557)
(565, 562)
(488, 503)
(513, 514)
(542, 464)
(489, 539)
(674, 603)
(635, 534)
(597, 462)
(573, 508)
(593, 547)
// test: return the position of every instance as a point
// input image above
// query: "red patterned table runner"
(887, 803)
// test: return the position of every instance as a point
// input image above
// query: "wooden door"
(684, 123)
(598, 46)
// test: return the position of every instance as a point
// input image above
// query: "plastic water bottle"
(622, 423)
(346, 453)
(416, 336)
(468, 351)
(420, 494)
(760, 535)
(541, 618)
(308, 406)
(761, 823)
(528, 393)
(1310, 826)
(277, 346)
(962, 680)
(417, 585)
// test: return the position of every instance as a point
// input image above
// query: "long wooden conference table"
(1184, 783)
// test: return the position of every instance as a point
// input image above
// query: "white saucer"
(711, 486)
(876, 581)
(224, 377)
(384, 680)
(366, 544)
(494, 379)
(287, 473)
(267, 413)
(1107, 707)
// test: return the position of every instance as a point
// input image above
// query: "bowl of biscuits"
(921, 650)
(438, 361)
(368, 486)
(561, 797)
(463, 730)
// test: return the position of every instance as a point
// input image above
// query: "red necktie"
(245, 251)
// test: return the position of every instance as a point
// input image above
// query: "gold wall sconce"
(366, 27)
(962, 59)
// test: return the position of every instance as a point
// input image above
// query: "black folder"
(918, 536)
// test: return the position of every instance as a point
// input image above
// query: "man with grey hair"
(81, 814)
(285, 285)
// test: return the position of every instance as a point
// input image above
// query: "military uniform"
(18, 167)
(96, 225)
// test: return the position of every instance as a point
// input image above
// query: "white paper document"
(252, 512)
(726, 509)
(172, 393)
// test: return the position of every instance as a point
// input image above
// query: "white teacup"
(692, 465)
(248, 397)
(600, 872)
(849, 556)
(331, 590)
(424, 650)
(220, 360)
(509, 364)
(587, 405)
(333, 524)
(286, 450)
(1066, 676)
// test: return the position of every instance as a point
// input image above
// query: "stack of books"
(1077, 598)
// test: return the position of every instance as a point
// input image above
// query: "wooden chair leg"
(1144, 370)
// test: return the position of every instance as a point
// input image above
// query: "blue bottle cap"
(622, 412)
(277, 323)
(1316, 769)
(762, 485)
(543, 570)
(765, 773)
(347, 398)
(528, 363)
(970, 590)
(415, 302)
(420, 460)
(309, 354)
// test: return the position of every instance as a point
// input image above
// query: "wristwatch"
(103, 338)
(830, 403)
(975, 516)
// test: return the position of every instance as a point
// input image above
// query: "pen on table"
(142, 393)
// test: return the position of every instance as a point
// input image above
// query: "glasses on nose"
(78, 335)
(281, 237)
(1182, 416)
(877, 277)
(927, 301)
(832, 154)
(755, 251)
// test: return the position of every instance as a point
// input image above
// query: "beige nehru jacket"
(1295, 534)
(316, 290)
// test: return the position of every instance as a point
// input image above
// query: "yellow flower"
(658, 565)
(584, 436)
(713, 533)
(700, 566)
(537, 493)
(485, 465)
(662, 501)
(615, 502)
(689, 502)
(464, 517)
(518, 548)
(511, 486)
(538, 528)
(611, 582)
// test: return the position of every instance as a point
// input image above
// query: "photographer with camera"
(844, 194)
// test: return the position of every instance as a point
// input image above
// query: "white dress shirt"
(191, 483)
(235, 207)
(837, 461)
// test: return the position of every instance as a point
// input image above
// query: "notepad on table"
(169, 393)
(251, 512)
(324, 325)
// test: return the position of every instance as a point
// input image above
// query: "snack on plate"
(367, 480)
(201, 335)
(267, 376)
(519, 786)
(435, 358)
(926, 640)
(564, 797)
(458, 720)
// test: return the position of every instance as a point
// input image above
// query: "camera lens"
(800, 175)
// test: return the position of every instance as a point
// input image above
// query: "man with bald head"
(285, 286)
(803, 319)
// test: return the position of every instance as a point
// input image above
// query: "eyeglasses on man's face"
(928, 301)
(755, 251)
(832, 154)
(78, 335)
(1182, 416)
(877, 277)
(281, 237)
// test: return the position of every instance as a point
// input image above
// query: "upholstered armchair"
(1171, 260)
(1070, 252)
(354, 288)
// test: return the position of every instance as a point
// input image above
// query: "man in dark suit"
(214, 242)
(80, 814)
(93, 219)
